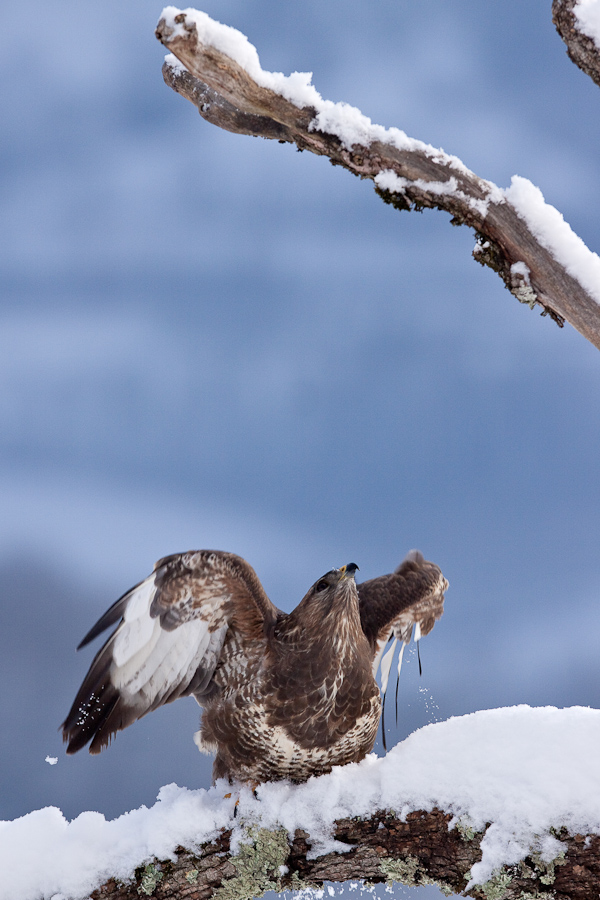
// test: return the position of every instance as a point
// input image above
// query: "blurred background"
(209, 340)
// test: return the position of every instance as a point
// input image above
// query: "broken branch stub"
(407, 173)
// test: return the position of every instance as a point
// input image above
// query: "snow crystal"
(51, 760)
(587, 13)
(523, 769)
(553, 233)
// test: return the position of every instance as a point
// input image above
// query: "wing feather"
(410, 599)
(110, 617)
(168, 642)
(386, 665)
(395, 606)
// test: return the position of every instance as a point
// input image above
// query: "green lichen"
(404, 871)
(151, 875)
(465, 829)
(526, 871)
(525, 294)
(547, 868)
(407, 871)
(497, 886)
(258, 865)
(192, 876)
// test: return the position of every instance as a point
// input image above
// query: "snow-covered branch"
(578, 23)
(420, 850)
(525, 240)
(503, 803)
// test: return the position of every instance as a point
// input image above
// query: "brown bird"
(284, 695)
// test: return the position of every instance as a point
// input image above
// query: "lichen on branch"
(422, 849)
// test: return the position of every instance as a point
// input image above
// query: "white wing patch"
(137, 628)
(384, 658)
(386, 665)
(400, 655)
(404, 637)
(150, 663)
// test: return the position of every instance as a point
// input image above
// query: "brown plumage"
(283, 695)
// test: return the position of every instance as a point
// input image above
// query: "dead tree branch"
(227, 96)
(420, 850)
(581, 48)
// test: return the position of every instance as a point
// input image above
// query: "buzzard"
(284, 695)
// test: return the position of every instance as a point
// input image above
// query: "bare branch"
(420, 850)
(407, 173)
(580, 47)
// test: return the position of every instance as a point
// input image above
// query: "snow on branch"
(502, 803)
(578, 23)
(525, 240)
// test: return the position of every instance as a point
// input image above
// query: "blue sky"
(209, 340)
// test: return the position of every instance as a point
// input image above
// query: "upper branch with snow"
(535, 252)
(578, 23)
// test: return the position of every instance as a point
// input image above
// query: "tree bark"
(581, 49)
(227, 96)
(420, 850)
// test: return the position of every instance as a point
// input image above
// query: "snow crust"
(523, 769)
(549, 227)
(587, 13)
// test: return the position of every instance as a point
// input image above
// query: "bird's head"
(333, 591)
(334, 577)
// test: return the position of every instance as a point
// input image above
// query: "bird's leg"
(253, 785)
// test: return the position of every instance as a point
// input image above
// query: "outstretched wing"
(392, 606)
(172, 628)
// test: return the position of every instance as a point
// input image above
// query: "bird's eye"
(321, 585)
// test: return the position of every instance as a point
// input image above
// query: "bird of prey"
(284, 695)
